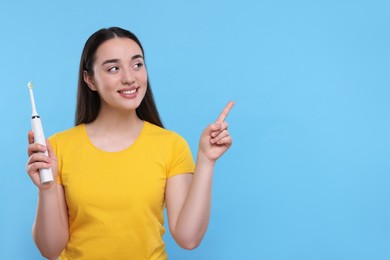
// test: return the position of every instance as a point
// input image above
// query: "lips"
(128, 92)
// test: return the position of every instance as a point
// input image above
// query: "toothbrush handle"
(45, 174)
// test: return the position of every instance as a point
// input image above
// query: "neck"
(114, 131)
(115, 121)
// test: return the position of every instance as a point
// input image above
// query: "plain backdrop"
(308, 175)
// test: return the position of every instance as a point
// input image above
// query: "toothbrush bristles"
(30, 85)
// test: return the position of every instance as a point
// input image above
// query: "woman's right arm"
(50, 229)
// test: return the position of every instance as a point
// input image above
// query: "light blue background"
(308, 174)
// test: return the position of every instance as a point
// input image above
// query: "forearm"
(189, 201)
(194, 217)
(50, 230)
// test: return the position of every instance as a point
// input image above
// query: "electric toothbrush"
(45, 174)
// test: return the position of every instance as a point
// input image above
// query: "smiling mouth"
(128, 91)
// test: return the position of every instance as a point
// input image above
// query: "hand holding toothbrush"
(39, 160)
(37, 136)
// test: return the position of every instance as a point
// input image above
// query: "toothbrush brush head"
(30, 85)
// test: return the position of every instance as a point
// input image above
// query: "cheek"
(143, 91)
(101, 81)
(143, 81)
(144, 78)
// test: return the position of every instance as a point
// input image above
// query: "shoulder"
(69, 134)
(162, 136)
(160, 132)
(171, 146)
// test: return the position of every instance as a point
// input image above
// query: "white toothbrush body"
(45, 174)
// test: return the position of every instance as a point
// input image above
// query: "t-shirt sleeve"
(181, 158)
(54, 144)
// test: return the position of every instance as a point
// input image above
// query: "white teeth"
(128, 92)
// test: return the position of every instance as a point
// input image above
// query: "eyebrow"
(117, 60)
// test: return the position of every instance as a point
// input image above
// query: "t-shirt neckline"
(130, 147)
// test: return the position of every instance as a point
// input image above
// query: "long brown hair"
(88, 101)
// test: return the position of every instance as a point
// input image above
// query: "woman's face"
(120, 76)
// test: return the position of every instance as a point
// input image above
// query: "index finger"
(225, 112)
(30, 137)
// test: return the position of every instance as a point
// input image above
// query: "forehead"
(118, 48)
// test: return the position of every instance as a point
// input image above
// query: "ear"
(88, 79)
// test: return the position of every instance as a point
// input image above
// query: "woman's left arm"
(188, 196)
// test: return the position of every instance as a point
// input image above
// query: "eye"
(138, 65)
(113, 69)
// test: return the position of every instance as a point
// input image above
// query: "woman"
(118, 167)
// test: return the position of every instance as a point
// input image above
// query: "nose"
(127, 77)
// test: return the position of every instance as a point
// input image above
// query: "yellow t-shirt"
(116, 199)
